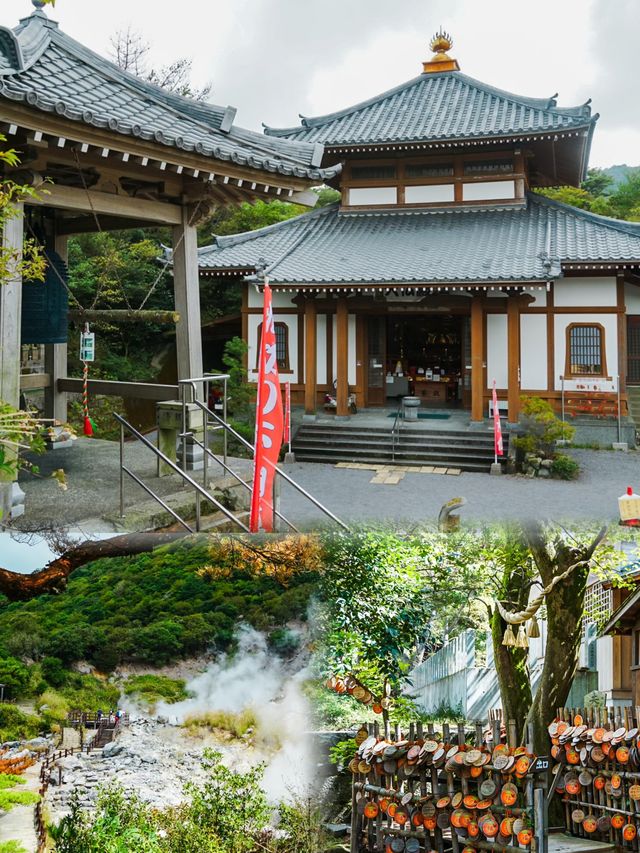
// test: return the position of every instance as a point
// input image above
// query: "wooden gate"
(633, 349)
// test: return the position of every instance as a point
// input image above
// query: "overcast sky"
(274, 59)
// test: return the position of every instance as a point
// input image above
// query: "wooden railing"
(106, 729)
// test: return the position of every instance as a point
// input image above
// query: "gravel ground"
(350, 495)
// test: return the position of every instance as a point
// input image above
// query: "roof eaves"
(227, 240)
(632, 228)
(626, 609)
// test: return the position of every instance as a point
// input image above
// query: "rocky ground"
(147, 751)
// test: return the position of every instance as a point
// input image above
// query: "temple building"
(106, 150)
(441, 269)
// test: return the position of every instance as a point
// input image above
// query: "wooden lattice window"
(282, 346)
(586, 355)
(598, 603)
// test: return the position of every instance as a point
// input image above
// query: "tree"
(625, 201)
(131, 53)
(597, 182)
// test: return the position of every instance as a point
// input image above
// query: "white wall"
(610, 324)
(373, 195)
(279, 299)
(429, 193)
(585, 292)
(497, 350)
(533, 352)
(481, 190)
(321, 349)
(352, 349)
(632, 298)
(539, 296)
(292, 322)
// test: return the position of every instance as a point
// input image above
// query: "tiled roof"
(47, 70)
(510, 244)
(438, 106)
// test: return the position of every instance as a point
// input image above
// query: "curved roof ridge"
(226, 240)
(548, 104)
(622, 225)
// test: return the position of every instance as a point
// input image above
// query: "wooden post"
(55, 360)
(186, 285)
(342, 334)
(310, 356)
(513, 358)
(10, 323)
(477, 360)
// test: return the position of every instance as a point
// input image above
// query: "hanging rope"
(89, 425)
(521, 641)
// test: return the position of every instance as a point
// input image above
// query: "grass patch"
(11, 847)
(235, 724)
(10, 780)
(153, 688)
(16, 725)
(9, 799)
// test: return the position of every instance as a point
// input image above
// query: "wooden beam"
(55, 357)
(118, 315)
(622, 332)
(513, 358)
(87, 224)
(477, 359)
(34, 381)
(135, 390)
(310, 356)
(11, 313)
(342, 366)
(186, 284)
(70, 198)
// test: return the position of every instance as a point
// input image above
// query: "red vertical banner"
(497, 426)
(287, 413)
(269, 423)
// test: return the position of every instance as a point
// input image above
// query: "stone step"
(311, 456)
(407, 438)
(402, 451)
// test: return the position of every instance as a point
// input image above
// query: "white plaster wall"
(497, 350)
(373, 195)
(481, 190)
(539, 296)
(610, 324)
(585, 292)
(632, 298)
(279, 299)
(292, 322)
(533, 352)
(604, 653)
(321, 351)
(429, 193)
(352, 349)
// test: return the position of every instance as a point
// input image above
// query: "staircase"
(633, 392)
(466, 450)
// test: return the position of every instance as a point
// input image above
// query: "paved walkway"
(18, 824)
(356, 494)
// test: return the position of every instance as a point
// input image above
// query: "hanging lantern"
(533, 629)
(521, 640)
(45, 305)
(509, 637)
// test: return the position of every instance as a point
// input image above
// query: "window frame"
(287, 359)
(568, 372)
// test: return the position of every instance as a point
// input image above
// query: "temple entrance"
(633, 349)
(423, 355)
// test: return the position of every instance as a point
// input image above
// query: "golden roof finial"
(440, 61)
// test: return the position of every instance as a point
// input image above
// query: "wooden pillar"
(310, 356)
(477, 359)
(513, 358)
(622, 333)
(55, 360)
(10, 323)
(342, 361)
(186, 285)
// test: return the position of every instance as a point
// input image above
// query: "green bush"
(54, 672)
(236, 725)
(15, 677)
(11, 847)
(565, 467)
(151, 688)
(284, 642)
(541, 428)
(16, 725)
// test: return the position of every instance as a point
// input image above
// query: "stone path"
(18, 824)
(352, 494)
(391, 475)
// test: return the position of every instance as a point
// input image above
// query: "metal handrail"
(206, 380)
(276, 468)
(239, 478)
(396, 423)
(201, 492)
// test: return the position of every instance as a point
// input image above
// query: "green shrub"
(54, 672)
(11, 847)
(16, 725)
(226, 721)
(284, 642)
(15, 677)
(151, 688)
(565, 467)
(541, 428)
(10, 780)
(9, 799)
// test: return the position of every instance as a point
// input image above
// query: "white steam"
(257, 680)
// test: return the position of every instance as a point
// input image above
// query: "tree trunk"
(511, 662)
(564, 605)
(53, 578)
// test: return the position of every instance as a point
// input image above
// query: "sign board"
(542, 765)
(87, 346)
(590, 385)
